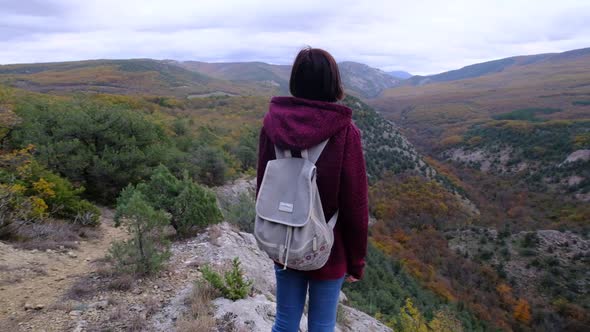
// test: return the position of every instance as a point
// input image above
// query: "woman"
(300, 122)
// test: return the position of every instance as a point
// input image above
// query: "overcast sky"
(419, 36)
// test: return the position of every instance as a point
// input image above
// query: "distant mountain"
(365, 81)
(496, 66)
(186, 78)
(112, 76)
(146, 76)
(525, 118)
(254, 72)
(359, 79)
(400, 74)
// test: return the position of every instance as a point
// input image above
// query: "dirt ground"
(31, 281)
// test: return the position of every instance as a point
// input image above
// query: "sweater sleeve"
(353, 204)
(266, 152)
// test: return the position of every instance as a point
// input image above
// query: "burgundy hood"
(296, 123)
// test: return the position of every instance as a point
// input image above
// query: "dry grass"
(151, 305)
(122, 282)
(117, 313)
(120, 315)
(135, 323)
(199, 317)
(12, 275)
(47, 235)
(53, 234)
(103, 269)
(214, 234)
(65, 306)
(113, 279)
(10, 324)
(82, 288)
(185, 325)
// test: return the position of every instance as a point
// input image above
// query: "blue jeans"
(291, 292)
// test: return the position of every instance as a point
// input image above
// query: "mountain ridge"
(180, 78)
(493, 66)
(400, 74)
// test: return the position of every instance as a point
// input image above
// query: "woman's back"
(298, 123)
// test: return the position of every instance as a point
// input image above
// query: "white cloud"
(420, 36)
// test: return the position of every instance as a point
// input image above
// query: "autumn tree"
(522, 311)
(413, 201)
(445, 321)
(410, 319)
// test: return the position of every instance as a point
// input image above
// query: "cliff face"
(217, 248)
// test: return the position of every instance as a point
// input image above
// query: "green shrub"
(505, 252)
(526, 114)
(531, 240)
(241, 214)
(147, 249)
(526, 252)
(211, 164)
(232, 285)
(245, 150)
(486, 255)
(191, 207)
(106, 147)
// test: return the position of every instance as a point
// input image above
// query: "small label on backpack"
(286, 207)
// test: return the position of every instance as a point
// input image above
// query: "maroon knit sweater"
(296, 124)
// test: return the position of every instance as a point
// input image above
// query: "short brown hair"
(315, 76)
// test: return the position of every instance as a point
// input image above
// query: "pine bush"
(147, 249)
(233, 285)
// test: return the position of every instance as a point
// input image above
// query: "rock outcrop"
(218, 247)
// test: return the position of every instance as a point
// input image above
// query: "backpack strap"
(333, 220)
(280, 154)
(313, 154)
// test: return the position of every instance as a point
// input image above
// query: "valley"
(479, 177)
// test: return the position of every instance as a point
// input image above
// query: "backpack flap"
(285, 195)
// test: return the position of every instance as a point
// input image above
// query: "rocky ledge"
(218, 247)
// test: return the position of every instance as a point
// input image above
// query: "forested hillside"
(525, 126)
(514, 133)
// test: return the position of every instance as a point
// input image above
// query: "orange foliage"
(505, 293)
(445, 170)
(522, 311)
(400, 236)
(424, 253)
(442, 289)
(413, 201)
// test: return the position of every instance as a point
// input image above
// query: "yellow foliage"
(445, 321)
(516, 125)
(474, 140)
(39, 209)
(17, 188)
(582, 141)
(522, 311)
(451, 140)
(44, 188)
(410, 318)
